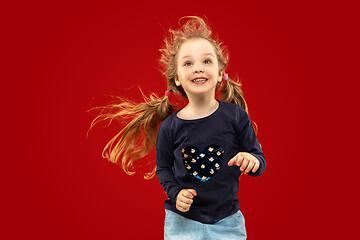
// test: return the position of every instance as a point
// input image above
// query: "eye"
(187, 64)
(207, 61)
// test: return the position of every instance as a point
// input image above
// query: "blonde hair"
(138, 137)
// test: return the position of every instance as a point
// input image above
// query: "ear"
(177, 82)
(220, 77)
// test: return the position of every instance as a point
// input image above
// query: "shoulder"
(231, 106)
(167, 126)
(236, 115)
(169, 121)
(233, 110)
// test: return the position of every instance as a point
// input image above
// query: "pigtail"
(138, 137)
(231, 92)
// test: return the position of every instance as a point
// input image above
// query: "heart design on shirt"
(202, 164)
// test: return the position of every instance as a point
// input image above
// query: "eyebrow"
(205, 54)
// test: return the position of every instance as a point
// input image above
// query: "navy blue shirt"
(194, 154)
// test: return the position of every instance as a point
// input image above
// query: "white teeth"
(199, 80)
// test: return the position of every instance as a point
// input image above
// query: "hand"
(246, 162)
(185, 199)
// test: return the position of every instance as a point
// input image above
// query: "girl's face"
(197, 68)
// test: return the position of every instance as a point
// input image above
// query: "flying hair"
(138, 138)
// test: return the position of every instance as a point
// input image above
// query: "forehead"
(196, 46)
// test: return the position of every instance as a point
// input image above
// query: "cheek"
(179, 71)
(213, 70)
(184, 72)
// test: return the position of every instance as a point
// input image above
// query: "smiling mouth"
(199, 80)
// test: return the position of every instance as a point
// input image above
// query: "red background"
(297, 64)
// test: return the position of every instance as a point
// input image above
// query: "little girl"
(201, 149)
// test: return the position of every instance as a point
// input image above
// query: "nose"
(198, 69)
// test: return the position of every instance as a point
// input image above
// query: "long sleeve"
(250, 144)
(229, 129)
(164, 162)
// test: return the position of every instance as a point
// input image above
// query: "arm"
(164, 163)
(251, 158)
(181, 198)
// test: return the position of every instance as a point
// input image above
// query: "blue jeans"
(179, 227)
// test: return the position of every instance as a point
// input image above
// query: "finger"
(244, 164)
(232, 161)
(256, 167)
(238, 159)
(249, 166)
(187, 194)
(184, 204)
(186, 200)
(193, 192)
(182, 209)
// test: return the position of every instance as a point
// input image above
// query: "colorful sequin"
(202, 164)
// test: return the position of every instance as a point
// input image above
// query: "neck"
(202, 104)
